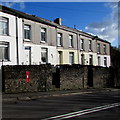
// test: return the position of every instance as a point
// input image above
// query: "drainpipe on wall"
(56, 46)
(78, 47)
(17, 41)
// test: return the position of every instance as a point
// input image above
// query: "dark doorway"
(2, 79)
(90, 77)
(56, 78)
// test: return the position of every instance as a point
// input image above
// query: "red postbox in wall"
(27, 76)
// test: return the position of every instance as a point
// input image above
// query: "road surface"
(92, 106)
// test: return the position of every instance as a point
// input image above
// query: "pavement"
(13, 98)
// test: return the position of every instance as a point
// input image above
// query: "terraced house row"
(27, 39)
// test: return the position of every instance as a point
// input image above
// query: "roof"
(44, 21)
(99, 39)
(25, 15)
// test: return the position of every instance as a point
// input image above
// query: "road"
(92, 106)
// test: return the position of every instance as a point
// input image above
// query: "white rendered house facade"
(8, 35)
(18, 46)
(29, 40)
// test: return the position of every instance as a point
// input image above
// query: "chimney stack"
(58, 21)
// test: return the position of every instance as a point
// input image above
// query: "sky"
(98, 18)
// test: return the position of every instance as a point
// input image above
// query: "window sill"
(105, 53)
(82, 50)
(98, 53)
(59, 45)
(90, 50)
(70, 46)
(5, 61)
(27, 40)
(42, 41)
(43, 62)
(4, 35)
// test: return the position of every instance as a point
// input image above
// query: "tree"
(115, 57)
(115, 62)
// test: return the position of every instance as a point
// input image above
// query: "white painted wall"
(86, 56)
(11, 39)
(35, 48)
(20, 41)
(102, 60)
(36, 53)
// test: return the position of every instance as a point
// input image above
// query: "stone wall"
(102, 77)
(78, 77)
(73, 77)
(63, 77)
(14, 78)
(117, 77)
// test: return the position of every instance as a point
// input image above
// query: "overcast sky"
(99, 18)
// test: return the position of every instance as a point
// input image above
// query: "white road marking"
(82, 112)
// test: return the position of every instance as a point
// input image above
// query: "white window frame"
(90, 58)
(4, 23)
(44, 30)
(98, 48)
(90, 45)
(82, 59)
(59, 57)
(104, 49)
(28, 29)
(4, 45)
(59, 39)
(82, 44)
(99, 61)
(70, 41)
(44, 51)
(105, 61)
(71, 57)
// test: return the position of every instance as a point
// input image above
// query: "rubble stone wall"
(63, 77)
(102, 77)
(73, 77)
(14, 78)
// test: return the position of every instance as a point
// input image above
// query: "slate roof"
(47, 22)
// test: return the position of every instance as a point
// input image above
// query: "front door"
(27, 55)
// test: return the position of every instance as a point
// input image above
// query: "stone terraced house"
(30, 40)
